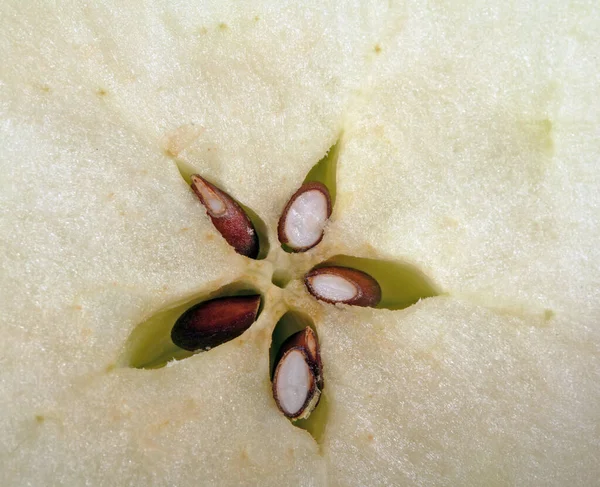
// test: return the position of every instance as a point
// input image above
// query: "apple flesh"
(467, 148)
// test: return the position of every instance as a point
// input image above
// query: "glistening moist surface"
(469, 149)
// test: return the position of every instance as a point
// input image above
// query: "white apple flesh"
(468, 149)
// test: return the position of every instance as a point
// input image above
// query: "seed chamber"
(292, 322)
(150, 346)
(323, 172)
(402, 284)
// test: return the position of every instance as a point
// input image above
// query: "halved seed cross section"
(297, 370)
(292, 383)
(303, 219)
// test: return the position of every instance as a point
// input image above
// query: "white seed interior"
(332, 287)
(311, 345)
(305, 219)
(215, 206)
(293, 382)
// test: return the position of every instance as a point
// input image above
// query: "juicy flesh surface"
(306, 219)
(469, 149)
(333, 288)
(294, 381)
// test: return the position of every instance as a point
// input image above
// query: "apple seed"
(214, 322)
(298, 378)
(227, 216)
(303, 219)
(335, 284)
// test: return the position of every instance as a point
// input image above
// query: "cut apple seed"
(304, 217)
(298, 378)
(335, 284)
(306, 340)
(214, 322)
(227, 216)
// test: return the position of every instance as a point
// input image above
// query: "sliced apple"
(466, 143)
